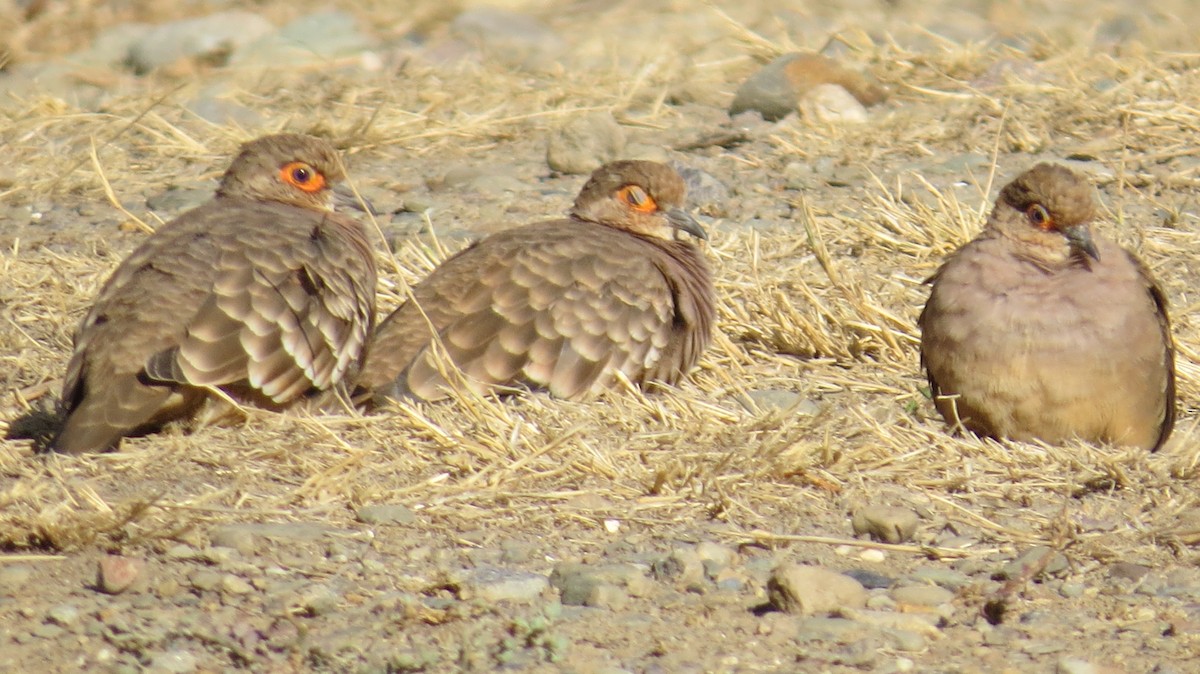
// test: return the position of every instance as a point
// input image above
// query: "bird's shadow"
(39, 424)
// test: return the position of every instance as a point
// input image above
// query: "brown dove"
(263, 292)
(1038, 329)
(563, 305)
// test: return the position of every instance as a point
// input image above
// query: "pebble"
(1070, 665)
(234, 537)
(314, 38)
(65, 615)
(172, 662)
(715, 557)
(870, 579)
(205, 579)
(487, 179)
(231, 584)
(922, 595)
(393, 513)
(831, 104)
(1128, 571)
(890, 524)
(942, 577)
(585, 143)
(116, 574)
(496, 584)
(13, 578)
(510, 38)
(776, 90)
(809, 590)
(683, 567)
(588, 591)
(1032, 557)
(199, 37)
(705, 192)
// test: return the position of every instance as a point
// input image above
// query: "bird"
(1040, 330)
(263, 293)
(565, 305)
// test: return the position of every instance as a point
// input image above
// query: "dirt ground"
(421, 538)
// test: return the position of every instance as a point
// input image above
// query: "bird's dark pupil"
(301, 175)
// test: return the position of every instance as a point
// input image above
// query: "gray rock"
(1128, 571)
(585, 143)
(705, 192)
(715, 557)
(496, 584)
(947, 578)
(922, 595)
(314, 38)
(870, 579)
(589, 591)
(385, 513)
(1071, 665)
(488, 179)
(65, 615)
(208, 36)
(890, 524)
(773, 399)
(512, 39)
(172, 662)
(112, 46)
(205, 579)
(1032, 558)
(832, 104)
(231, 584)
(13, 578)
(234, 537)
(683, 567)
(810, 590)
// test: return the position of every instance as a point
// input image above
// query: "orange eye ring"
(1039, 217)
(637, 198)
(302, 176)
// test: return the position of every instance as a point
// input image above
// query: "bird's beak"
(1080, 238)
(683, 221)
(344, 197)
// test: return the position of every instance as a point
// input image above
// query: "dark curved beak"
(1080, 238)
(343, 198)
(683, 221)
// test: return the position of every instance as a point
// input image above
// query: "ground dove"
(263, 292)
(563, 305)
(1039, 330)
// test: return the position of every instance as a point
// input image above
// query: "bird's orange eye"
(637, 198)
(1039, 217)
(302, 176)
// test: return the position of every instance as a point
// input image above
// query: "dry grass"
(824, 306)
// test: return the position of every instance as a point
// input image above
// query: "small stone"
(715, 557)
(13, 578)
(65, 615)
(316, 600)
(809, 590)
(394, 513)
(890, 524)
(495, 584)
(1032, 558)
(705, 192)
(1071, 665)
(773, 399)
(1072, 590)
(831, 104)
(585, 143)
(947, 578)
(117, 574)
(905, 640)
(870, 579)
(588, 591)
(1128, 571)
(231, 584)
(513, 39)
(172, 662)
(205, 579)
(683, 567)
(234, 537)
(775, 91)
(922, 595)
(47, 631)
(214, 36)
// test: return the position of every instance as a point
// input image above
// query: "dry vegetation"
(824, 305)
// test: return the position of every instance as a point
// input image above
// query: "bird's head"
(1049, 210)
(643, 197)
